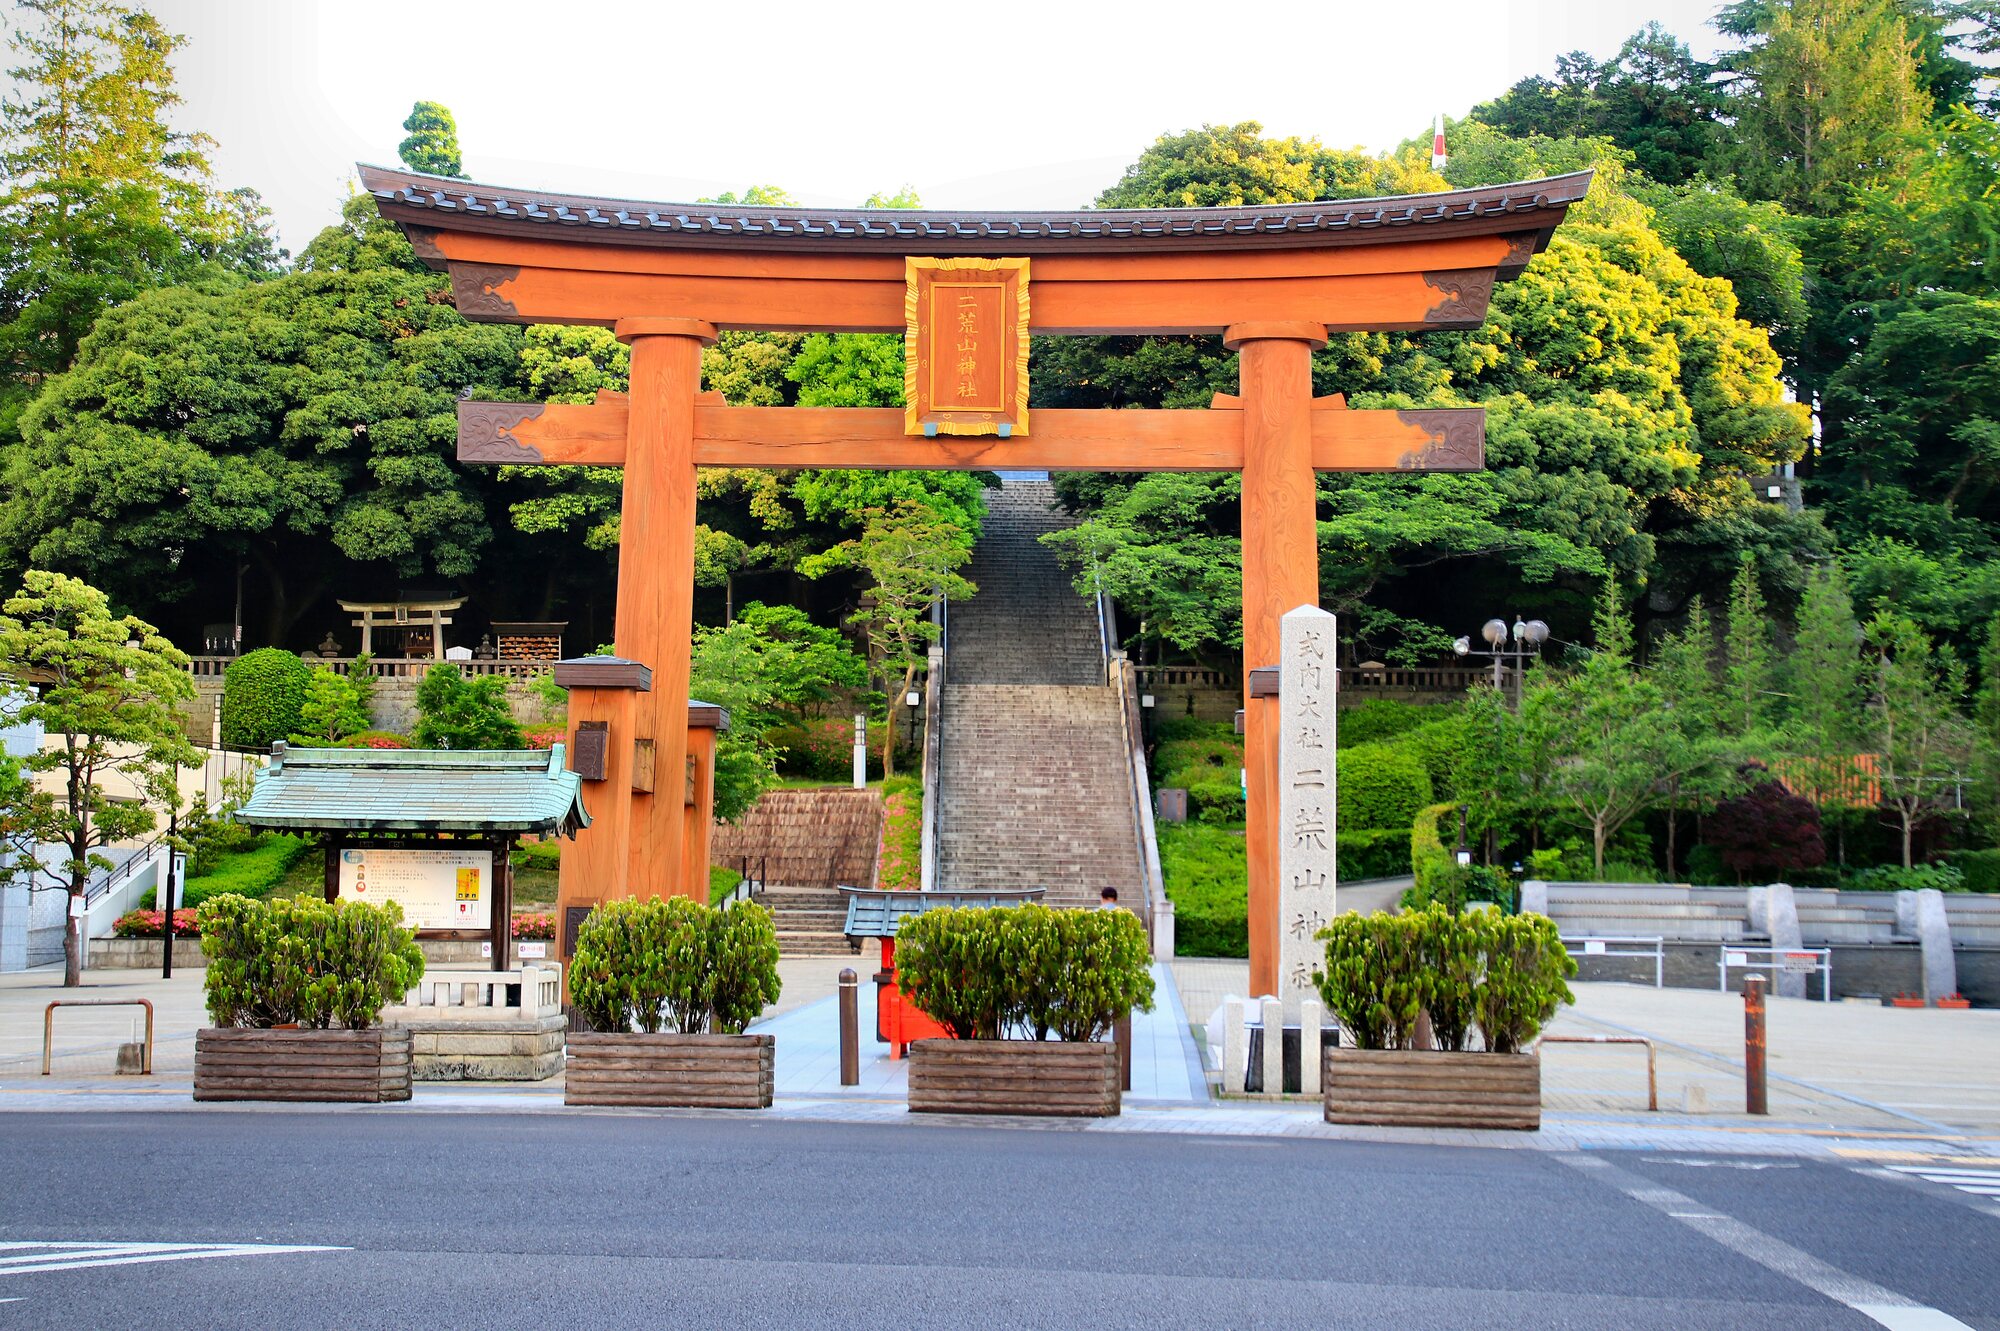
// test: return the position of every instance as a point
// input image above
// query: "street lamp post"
(1524, 640)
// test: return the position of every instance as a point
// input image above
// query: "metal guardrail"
(1596, 946)
(49, 1026)
(1783, 960)
(1652, 1059)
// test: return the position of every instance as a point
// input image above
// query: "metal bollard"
(1754, 1101)
(850, 1028)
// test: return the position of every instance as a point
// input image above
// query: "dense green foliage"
(674, 965)
(305, 961)
(1503, 974)
(454, 712)
(263, 698)
(104, 695)
(251, 871)
(1025, 972)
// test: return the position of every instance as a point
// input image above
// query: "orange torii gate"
(1273, 281)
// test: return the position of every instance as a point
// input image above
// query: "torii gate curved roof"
(1522, 208)
(1420, 262)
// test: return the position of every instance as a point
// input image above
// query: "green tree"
(1823, 677)
(1748, 679)
(454, 712)
(1622, 742)
(1914, 727)
(291, 425)
(432, 145)
(910, 554)
(102, 197)
(1702, 765)
(333, 710)
(1830, 92)
(1986, 735)
(105, 688)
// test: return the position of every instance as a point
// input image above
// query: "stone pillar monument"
(1305, 802)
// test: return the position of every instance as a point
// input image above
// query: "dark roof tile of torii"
(442, 203)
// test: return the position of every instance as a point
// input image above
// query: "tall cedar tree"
(1823, 677)
(1919, 738)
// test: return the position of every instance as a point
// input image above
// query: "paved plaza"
(1848, 1081)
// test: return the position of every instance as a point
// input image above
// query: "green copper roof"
(427, 790)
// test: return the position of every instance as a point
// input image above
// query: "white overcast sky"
(993, 105)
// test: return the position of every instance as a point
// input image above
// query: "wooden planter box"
(237, 1063)
(1433, 1088)
(1044, 1077)
(670, 1071)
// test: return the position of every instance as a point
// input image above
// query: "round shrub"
(1506, 975)
(263, 697)
(1381, 786)
(1025, 972)
(316, 963)
(674, 964)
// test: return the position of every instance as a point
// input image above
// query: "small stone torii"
(1273, 281)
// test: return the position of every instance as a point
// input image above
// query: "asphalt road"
(555, 1220)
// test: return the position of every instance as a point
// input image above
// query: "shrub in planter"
(666, 988)
(1502, 975)
(263, 695)
(295, 989)
(1003, 981)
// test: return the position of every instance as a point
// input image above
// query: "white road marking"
(28, 1257)
(1885, 1306)
(1976, 1182)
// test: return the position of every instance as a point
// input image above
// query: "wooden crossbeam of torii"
(868, 438)
(1274, 282)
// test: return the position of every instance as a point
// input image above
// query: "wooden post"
(655, 617)
(1280, 572)
(503, 902)
(603, 695)
(698, 813)
(437, 634)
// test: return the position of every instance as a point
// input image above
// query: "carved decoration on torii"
(1273, 280)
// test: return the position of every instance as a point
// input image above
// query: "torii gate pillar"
(655, 620)
(1280, 571)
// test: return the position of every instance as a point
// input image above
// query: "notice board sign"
(437, 889)
(965, 346)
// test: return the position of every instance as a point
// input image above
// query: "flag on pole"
(1437, 145)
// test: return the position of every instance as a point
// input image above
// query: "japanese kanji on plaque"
(966, 346)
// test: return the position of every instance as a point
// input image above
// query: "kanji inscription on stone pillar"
(1305, 798)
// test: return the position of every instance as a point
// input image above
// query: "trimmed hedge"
(824, 750)
(902, 834)
(1980, 868)
(1204, 874)
(1025, 972)
(299, 960)
(675, 965)
(1504, 975)
(1437, 746)
(1381, 786)
(250, 872)
(263, 697)
(143, 923)
(376, 739)
(1386, 718)
(1895, 878)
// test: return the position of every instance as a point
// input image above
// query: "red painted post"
(1754, 1100)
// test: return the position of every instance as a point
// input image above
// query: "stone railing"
(470, 995)
(385, 667)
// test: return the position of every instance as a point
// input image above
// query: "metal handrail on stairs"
(933, 797)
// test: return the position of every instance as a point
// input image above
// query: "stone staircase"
(1975, 920)
(1827, 916)
(808, 921)
(1630, 910)
(1035, 782)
